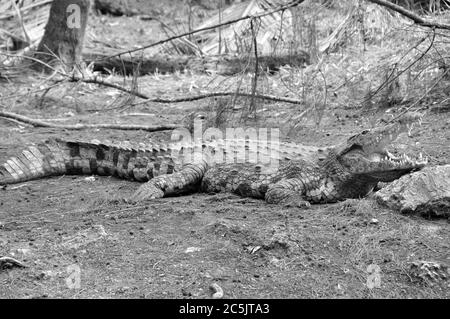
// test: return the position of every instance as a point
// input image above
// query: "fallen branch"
(175, 100)
(11, 261)
(189, 98)
(111, 85)
(411, 15)
(216, 94)
(124, 127)
(63, 119)
(225, 64)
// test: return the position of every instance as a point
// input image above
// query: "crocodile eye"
(365, 132)
(354, 147)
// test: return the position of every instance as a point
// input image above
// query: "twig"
(12, 261)
(111, 85)
(414, 17)
(22, 24)
(41, 99)
(168, 101)
(77, 79)
(421, 98)
(215, 94)
(255, 77)
(389, 80)
(16, 121)
(124, 127)
(34, 60)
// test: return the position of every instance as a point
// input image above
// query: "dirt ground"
(79, 240)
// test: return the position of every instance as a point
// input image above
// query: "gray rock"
(425, 192)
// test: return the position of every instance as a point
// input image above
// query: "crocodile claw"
(146, 192)
(297, 202)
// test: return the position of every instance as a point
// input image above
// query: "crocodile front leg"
(288, 192)
(184, 181)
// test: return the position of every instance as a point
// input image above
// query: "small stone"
(425, 192)
(192, 250)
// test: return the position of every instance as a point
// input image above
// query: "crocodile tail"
(56, 157)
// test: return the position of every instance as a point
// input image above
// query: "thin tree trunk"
(64, 33)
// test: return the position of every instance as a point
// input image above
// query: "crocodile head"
(366, 154)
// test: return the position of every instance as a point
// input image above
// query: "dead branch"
(147, 99)
(190, 98)
(32, 6)
(411, 15)
(124, 127)
(9, 260)
(290, 4)
(216, 94)
(111, 85)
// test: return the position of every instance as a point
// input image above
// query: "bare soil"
(177, 247)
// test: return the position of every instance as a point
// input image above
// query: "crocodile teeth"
(391, 156)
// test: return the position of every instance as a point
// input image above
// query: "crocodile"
(303, 175)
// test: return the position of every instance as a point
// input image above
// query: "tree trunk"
(64, 33)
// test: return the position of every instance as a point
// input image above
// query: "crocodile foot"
(295, 201)
(146, 192)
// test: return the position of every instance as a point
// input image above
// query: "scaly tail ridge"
(37, 161)
(57, 157)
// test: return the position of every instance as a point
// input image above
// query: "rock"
(429, 270)
(426, 192)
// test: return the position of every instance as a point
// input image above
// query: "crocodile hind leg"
(186, 180)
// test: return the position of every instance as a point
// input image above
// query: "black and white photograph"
(228, 155)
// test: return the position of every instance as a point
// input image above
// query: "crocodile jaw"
(382, 166)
